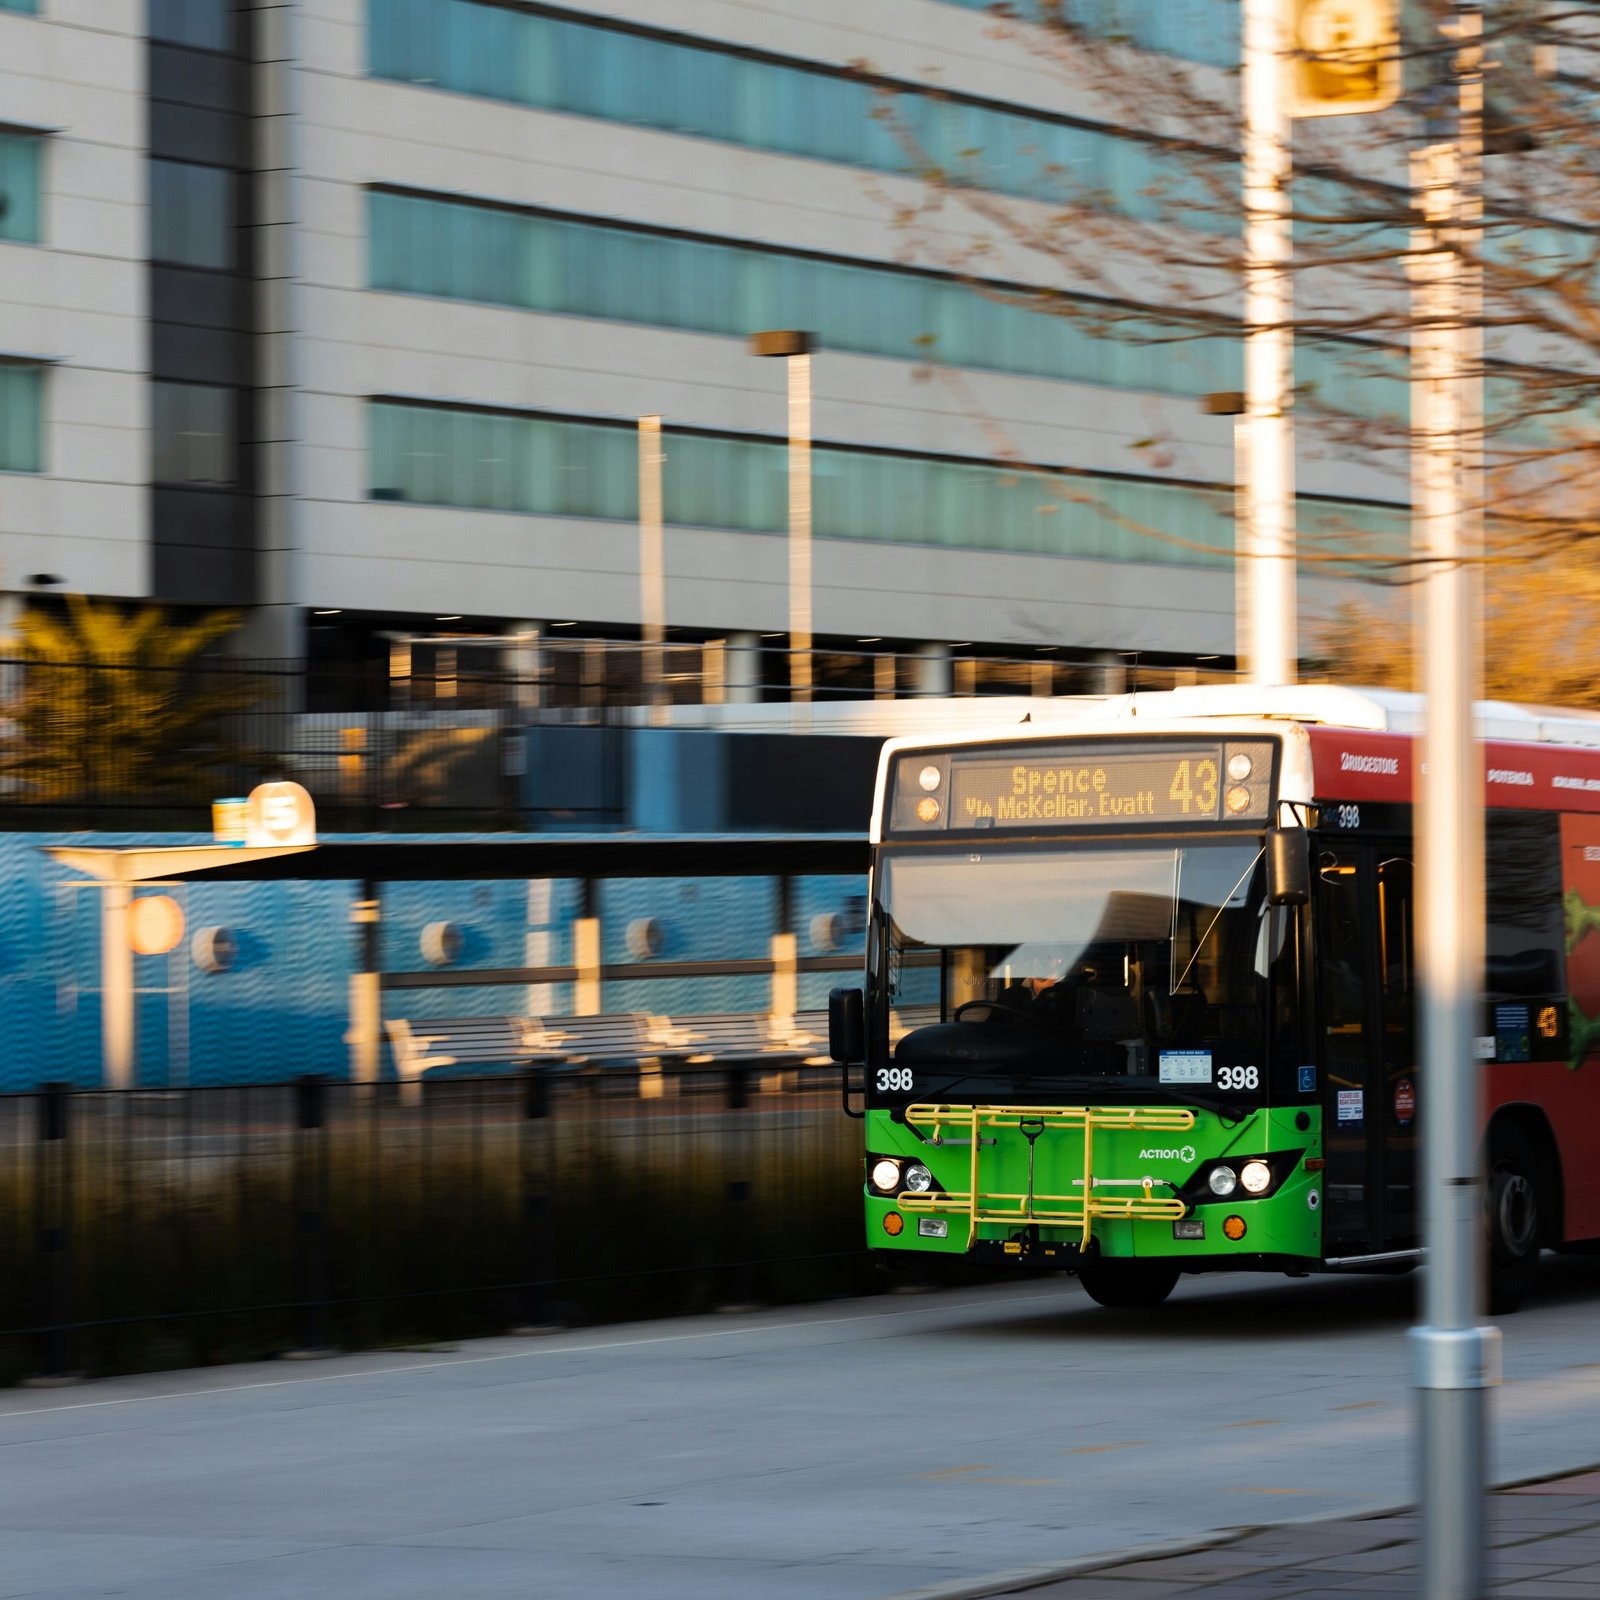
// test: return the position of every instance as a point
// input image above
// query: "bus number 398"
(894, 1080)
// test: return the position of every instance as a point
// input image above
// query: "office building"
(343, 312)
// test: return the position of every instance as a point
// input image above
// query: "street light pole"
(1264, 438)
(796, 346)
(1455, 1358)
(652, 567)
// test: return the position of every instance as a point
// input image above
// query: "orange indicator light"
(1315, 1163)
(893, 1224)
(927, 809)
(1233, 1228)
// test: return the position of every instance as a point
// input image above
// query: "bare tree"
(1160, 260)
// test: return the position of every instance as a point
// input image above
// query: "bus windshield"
(1142, 965)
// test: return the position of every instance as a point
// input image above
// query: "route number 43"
(894, 1080)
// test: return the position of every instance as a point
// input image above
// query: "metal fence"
(148, 1230)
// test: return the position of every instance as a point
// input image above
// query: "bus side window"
(1396, 953)
(1339, 960)
(1525, 941)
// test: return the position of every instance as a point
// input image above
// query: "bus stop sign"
(280, 814)
(1347, 57)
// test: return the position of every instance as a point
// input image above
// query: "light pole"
(1264, 435)
(1299, 58)
(652, 567)
(1454, 1357)
(796, 346)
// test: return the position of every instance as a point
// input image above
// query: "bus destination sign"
(1062, 788)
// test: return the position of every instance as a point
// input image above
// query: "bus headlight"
(917, 1178)
(1256, 1176)
(1222, 1181)
(884, 1176)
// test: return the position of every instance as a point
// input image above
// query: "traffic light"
(1346, 56)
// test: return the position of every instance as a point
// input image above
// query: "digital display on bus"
(1090, 785)
(1176, 786)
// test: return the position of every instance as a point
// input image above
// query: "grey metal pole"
(1455, 1358)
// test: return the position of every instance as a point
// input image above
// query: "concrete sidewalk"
(1544, 1545)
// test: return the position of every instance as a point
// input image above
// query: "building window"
(799, 108)
(21, 418)
(196, 434)
(192, 214)
(573, 467)
(19, 187)
(421, 244)
(506, 257)
(201, 24)
(1195, 30)
(30, 6)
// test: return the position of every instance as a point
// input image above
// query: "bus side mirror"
(1288, 866)
(847, 1031)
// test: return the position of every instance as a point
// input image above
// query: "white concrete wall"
(81, 296)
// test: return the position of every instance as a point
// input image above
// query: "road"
(839, 1452)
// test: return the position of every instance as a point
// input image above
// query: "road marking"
(955, 1472)
(1359, 1405)
(1100, 1449)
(1239, 1489)
(512, 1355)
(1254, 1422)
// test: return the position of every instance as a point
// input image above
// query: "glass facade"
(800, 108)
(499, 256)
(200, 24)
(191, 214)
(1196, 30)
(29, 6)
(20, 154)
(195, 434)
(21, 418)
(424, 245)
(555, 466)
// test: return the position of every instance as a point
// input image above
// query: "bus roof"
(1325, 705)
(1352, 744)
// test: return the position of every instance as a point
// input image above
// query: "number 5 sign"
(1347, 56)
(280, 813)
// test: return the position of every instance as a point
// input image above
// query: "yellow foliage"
(1541, 637)
(115, 706)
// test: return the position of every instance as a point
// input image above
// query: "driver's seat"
(1175, 1016)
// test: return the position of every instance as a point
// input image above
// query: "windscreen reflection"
(1139, 965)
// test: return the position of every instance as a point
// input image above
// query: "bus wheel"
(1126, 1285)
(1513, 1205)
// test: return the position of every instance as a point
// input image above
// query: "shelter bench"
(660, 1047)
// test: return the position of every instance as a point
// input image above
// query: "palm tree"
(114, 707)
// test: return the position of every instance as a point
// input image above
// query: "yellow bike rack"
(966, 1124)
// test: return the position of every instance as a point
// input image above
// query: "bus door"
(1365, 973)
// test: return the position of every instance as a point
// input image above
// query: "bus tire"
(1515, 1217)
(1126, 1285)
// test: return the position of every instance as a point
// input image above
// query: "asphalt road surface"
(839, 1452)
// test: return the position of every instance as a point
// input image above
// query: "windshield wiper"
(1200, 943)
(1224, 1109)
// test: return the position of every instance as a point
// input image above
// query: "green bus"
(1138, 994)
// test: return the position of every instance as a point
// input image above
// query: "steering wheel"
(1002, 1015)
